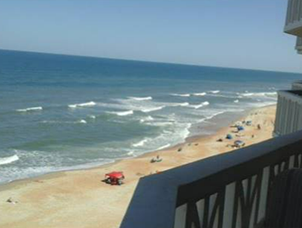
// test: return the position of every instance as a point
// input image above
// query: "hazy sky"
(228, 33)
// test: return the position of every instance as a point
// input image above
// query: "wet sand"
(80, 199)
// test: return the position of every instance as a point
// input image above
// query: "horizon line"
(148, 61)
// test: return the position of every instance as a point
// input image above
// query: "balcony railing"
(293, 23)
(299, 45)
(297, 85)
(289, 111)
(228, 190)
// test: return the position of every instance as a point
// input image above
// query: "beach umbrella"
(240, 128)
(229, 136)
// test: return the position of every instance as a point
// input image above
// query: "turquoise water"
(65, 112)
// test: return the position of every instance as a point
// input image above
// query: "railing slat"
(208, 185)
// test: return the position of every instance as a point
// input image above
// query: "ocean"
(60, 112)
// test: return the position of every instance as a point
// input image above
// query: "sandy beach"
(80, 198)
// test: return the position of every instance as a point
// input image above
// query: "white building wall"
(288, 114)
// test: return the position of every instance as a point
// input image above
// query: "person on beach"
(157, 159)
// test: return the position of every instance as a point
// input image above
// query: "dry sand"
(80, 199)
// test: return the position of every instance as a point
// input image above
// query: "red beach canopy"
(115, 175)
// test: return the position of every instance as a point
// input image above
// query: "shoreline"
(188, 139)
(65, 195)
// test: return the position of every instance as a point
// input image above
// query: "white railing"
(299, 45)
(289, 111)
(293, 23)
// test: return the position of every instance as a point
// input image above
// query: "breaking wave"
(152, 109)
(215, 91)
(30, 109)
(87, 104)
(130, 153)
(160, 124)
(148, 118)
(213, 115)
(141, 98)
(163, 147)
(199, 94)
(180, 104)
(181, 95)
(200, 105)
(8, 160)
(263, 94)
(124, 113)
(140, 143)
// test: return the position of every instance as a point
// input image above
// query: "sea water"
(61, 112)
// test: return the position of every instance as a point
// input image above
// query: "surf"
(87, 104)
(30, 109)
(181, 95)
(8, 160)
(152, 109)
(123, 113)
(200, 94)
(141, 98)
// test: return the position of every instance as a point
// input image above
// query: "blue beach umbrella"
(229, 136)
(240, 128)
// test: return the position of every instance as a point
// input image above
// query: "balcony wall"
(289, 112)
(228, 190)
(293, 24)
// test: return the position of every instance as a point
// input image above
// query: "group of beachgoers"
(234, 137)
(239, 129)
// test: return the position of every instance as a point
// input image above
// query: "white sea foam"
(248, 94)
(130, 152)
(152, 109)
(200, 105)
(181, 95)
(236, 101)
(92, 116)
(140, 143)
(160, 124)
(269, 94)
(180, 104)
(63, 122)
(163, 147)
(261, 94)
(87, 104)
(224, 95)
(11, 173)
(148, 118)
(215, 114)
(30, 109)
(141, 98)
(199, 94)
(8, 160)
(186, 131)
(215, 91)
(123, 113)
(197, 106)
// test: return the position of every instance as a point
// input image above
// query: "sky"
(227, 33)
